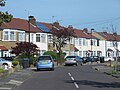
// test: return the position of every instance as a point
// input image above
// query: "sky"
(102, 15)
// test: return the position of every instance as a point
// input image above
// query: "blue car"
(45, 62)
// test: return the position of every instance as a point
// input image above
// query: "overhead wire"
(94, 23)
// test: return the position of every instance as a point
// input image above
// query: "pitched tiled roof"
(20, 24)
(50, 25)
(83, 34)
(118, 37)
(3, 47)
(109, 36)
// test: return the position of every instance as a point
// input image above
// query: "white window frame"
(32, 37)
(5, 35)
(76, 41)
(38, 38)
(80, 42)
(21, 36)
(27, 37)
(50, 38)
(11, 35)
(43, 38)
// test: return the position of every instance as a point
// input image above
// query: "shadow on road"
(35, 70)
(96, 84)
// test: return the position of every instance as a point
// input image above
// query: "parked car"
(45, 62)
(8, 58)
(109, 59)
(94, 58)
(73, 60)
(86, 59)
(5, 63)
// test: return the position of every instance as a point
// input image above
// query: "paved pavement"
(102, 67)
(15, 79)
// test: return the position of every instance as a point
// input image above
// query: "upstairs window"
(50, 38)
(80, 42)
(76, 41)
(43, 38)
(27, 37)
(37, 37)
(5, 35)
(21, 36)
(9, 35)
(98, 43)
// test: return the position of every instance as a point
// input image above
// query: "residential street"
(71, 78)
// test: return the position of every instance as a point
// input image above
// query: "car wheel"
(38, 69)
(65, 64)
(52, 69)
(76, 64)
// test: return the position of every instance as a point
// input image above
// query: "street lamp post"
(91, 42)
(29, 27)
(29, 37)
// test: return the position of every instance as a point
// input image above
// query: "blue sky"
(97, 14)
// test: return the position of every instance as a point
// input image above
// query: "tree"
(61, 36)
(25, 48)
(4, 16)
(53, 54)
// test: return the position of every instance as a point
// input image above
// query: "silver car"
(73, 60)
(5, 63)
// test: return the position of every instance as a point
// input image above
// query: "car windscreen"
(44, 58)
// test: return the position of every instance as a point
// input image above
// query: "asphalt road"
(71, 78)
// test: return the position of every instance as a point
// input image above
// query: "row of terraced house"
(18, 30)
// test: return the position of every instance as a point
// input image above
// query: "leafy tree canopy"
(61, 36)
(2, 3)
(25, 48)
(4, 16)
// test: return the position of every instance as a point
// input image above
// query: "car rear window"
(44, 58)
(70, 57)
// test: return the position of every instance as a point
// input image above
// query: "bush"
(1, 70)
(15, 63)
(53, 54)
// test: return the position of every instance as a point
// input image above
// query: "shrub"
(15, 63)
(1, 70)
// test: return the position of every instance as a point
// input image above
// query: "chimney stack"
(32, 20)
(56, 24)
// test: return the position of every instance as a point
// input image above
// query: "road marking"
(72, 78)
(5, 88)
(76, 85)
(15, 82)
(69, 74)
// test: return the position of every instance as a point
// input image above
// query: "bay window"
(9, 35)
